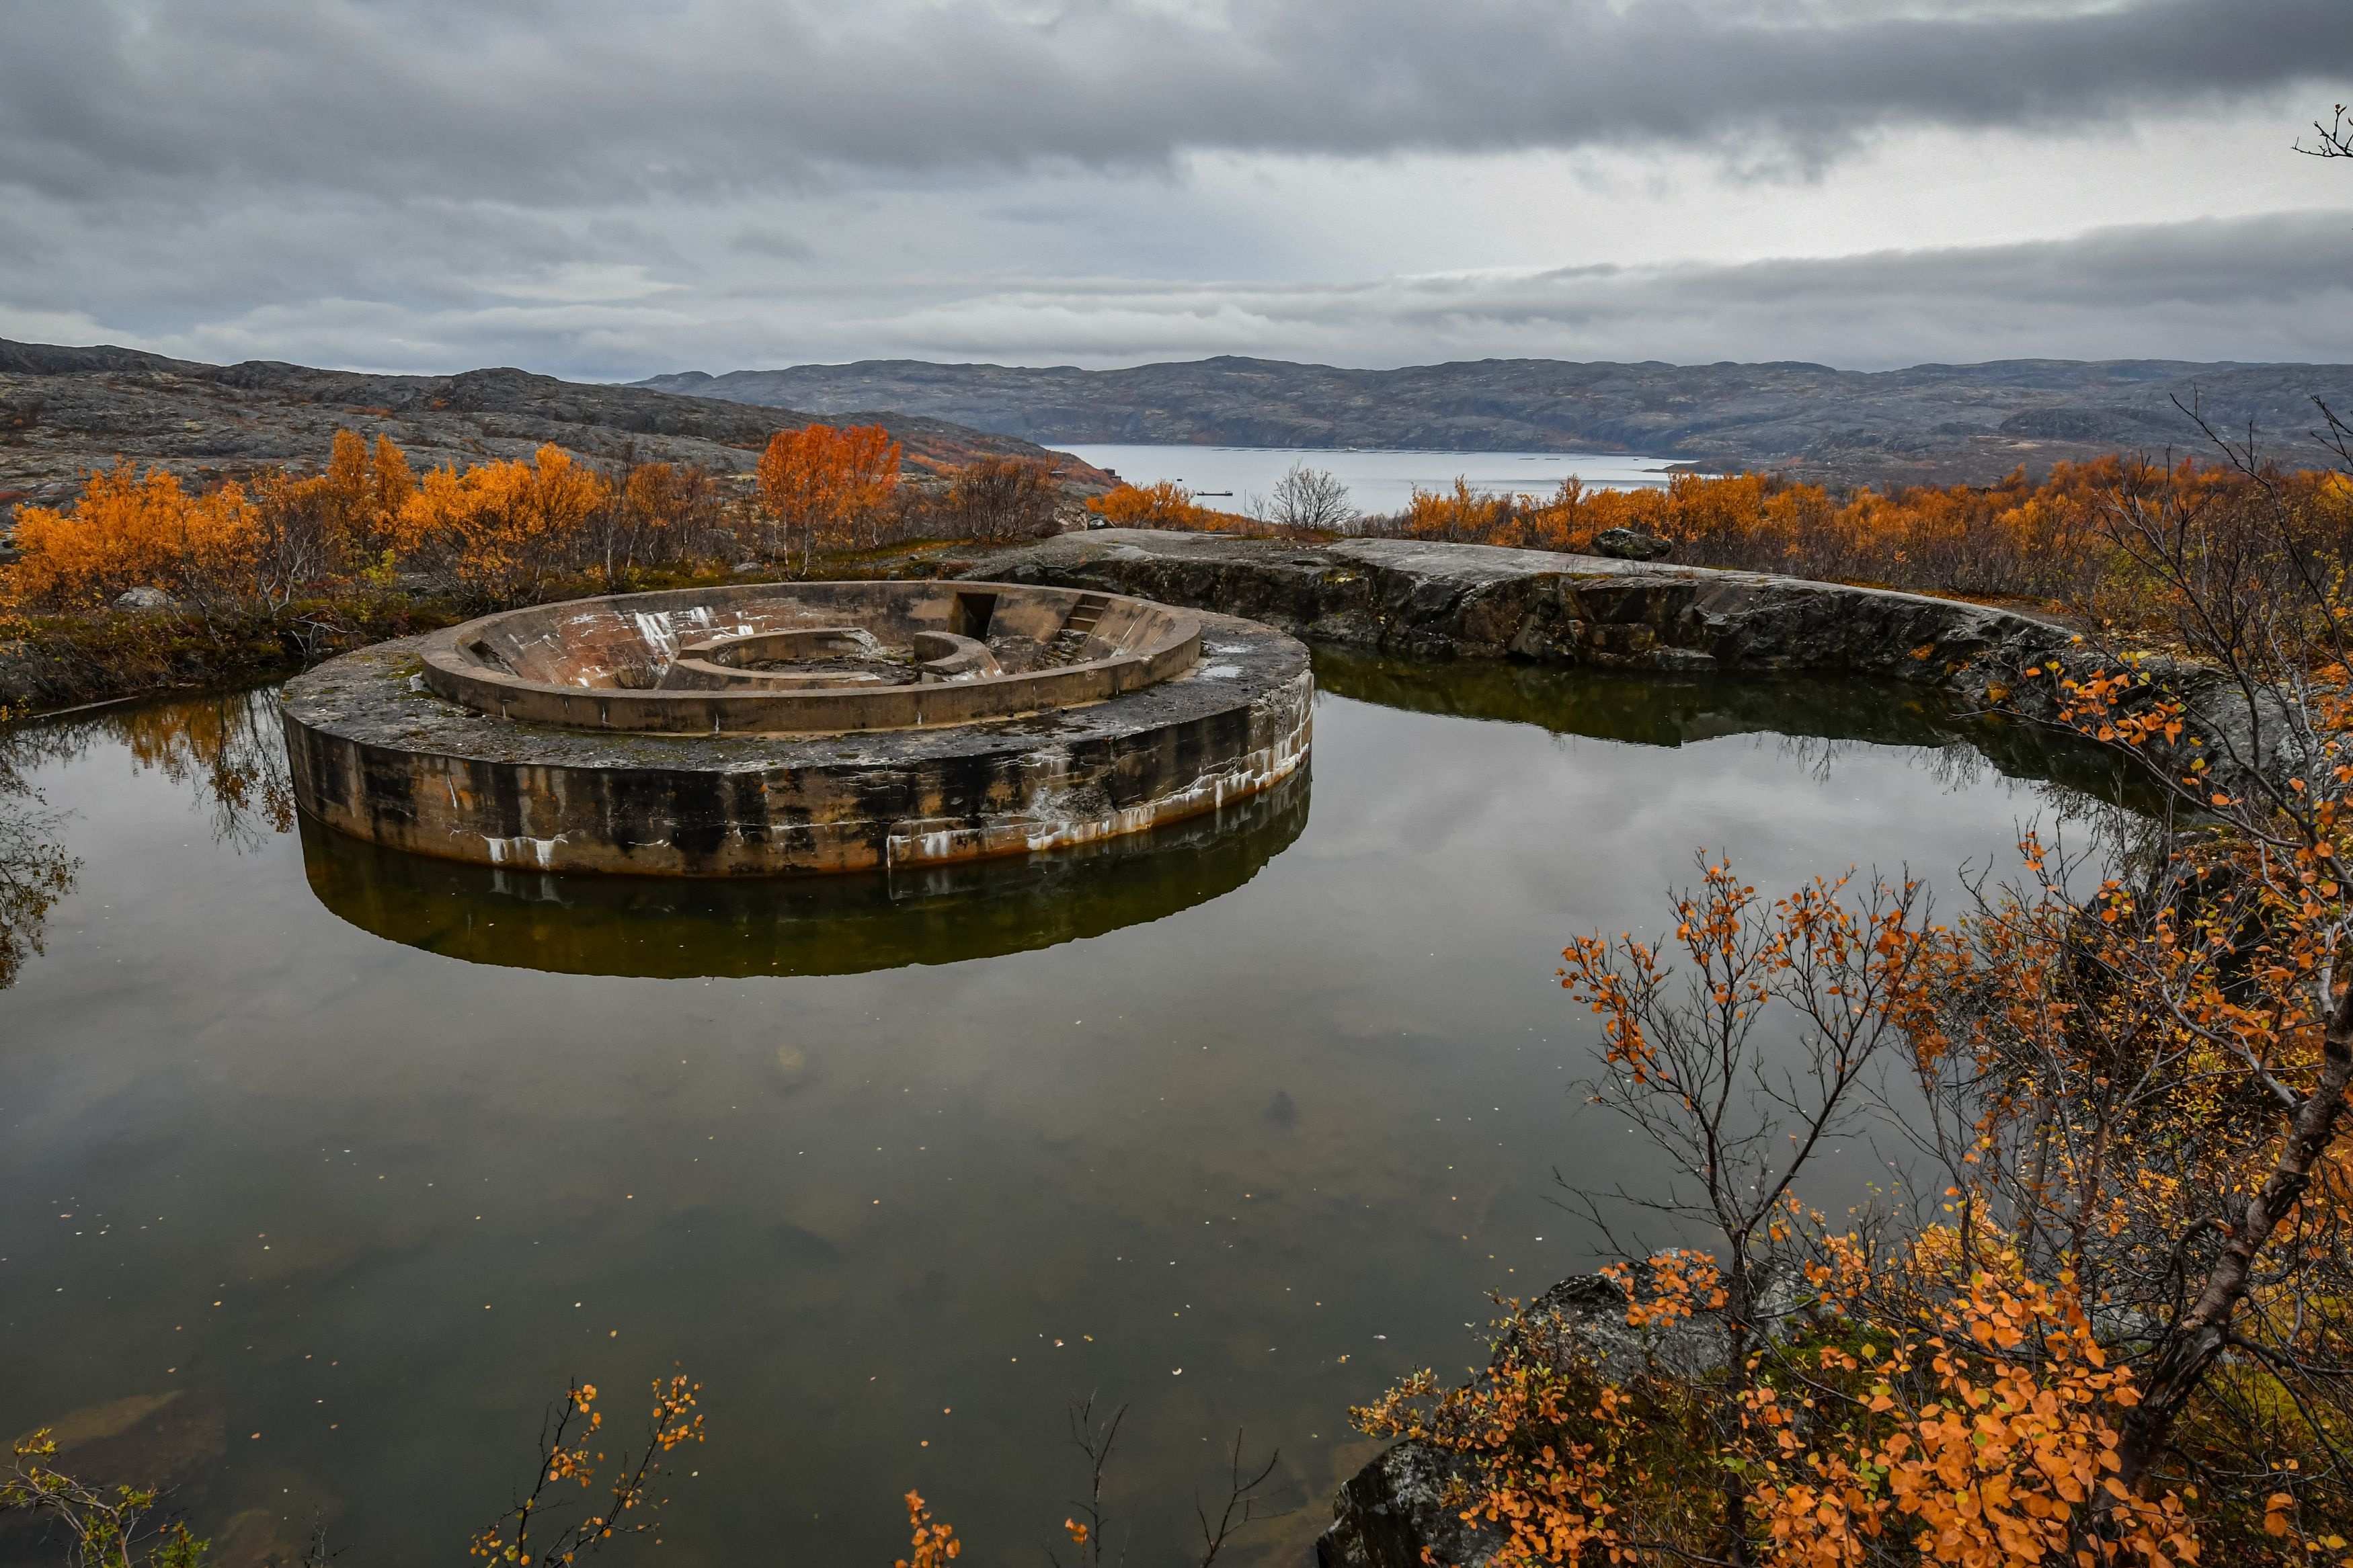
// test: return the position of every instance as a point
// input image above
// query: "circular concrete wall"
(775, 658)
(514, 740)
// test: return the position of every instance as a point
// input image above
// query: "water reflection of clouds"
(872, 1195)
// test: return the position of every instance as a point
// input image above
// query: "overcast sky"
(610, 188)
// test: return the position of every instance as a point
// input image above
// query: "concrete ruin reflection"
(674, 928)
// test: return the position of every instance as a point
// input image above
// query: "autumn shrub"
(1984, 1436)
(129, 532)
(2014, 540)
(654, 516)
(994, 499)
(825, 488)
(1163, 505)
(1167, 504)
(500, 534)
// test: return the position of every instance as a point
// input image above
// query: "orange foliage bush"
(129, 532)
(2015, 539)
(935, 1545)
(497, 533)
(826, 486)
(1993, 1441)
(1166, 505)
(1988, 1441)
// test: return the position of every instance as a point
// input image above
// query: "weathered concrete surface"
(657, 662)
(377, 754)
(1472, 601)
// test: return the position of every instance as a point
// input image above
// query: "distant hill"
(64, 411)
(1932, 422)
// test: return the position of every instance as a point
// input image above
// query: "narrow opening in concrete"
(484, 653)
(970, 615)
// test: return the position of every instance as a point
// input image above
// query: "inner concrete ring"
(809, 658)
(759, 731)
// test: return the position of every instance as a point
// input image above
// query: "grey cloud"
(2260, 288)
(602, 100)
(771, 243)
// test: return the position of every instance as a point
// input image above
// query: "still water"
(325, 1169)
(1378, 482)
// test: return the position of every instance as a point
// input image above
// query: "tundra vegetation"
(2041, 544)
(279, 569)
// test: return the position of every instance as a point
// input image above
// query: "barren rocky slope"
(64, 411)
(1930, 423)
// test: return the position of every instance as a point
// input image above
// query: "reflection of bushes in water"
(35, 870)
(228, 748)
(801, 925)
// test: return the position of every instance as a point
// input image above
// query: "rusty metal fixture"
(765, 729)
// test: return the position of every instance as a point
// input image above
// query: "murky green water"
(356, 1159)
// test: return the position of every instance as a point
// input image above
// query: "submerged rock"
(146, 1439)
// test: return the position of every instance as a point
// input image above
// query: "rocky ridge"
(65, 411)
(1928, 423)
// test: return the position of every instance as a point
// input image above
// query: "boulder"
(145, 599)
(1625, 544)
(1396, 1505)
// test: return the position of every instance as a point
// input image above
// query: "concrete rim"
(615, 661)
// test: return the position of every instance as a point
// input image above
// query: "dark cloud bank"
(589, 98)
(404, 183)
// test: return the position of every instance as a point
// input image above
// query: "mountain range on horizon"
(1926, 424)
(65, 411)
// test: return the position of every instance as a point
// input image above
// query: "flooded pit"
(327, 1167)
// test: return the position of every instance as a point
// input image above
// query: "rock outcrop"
(1472, 601)
(1425, 600)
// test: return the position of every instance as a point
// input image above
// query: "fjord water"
(326, 1168)
(1377, 482)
